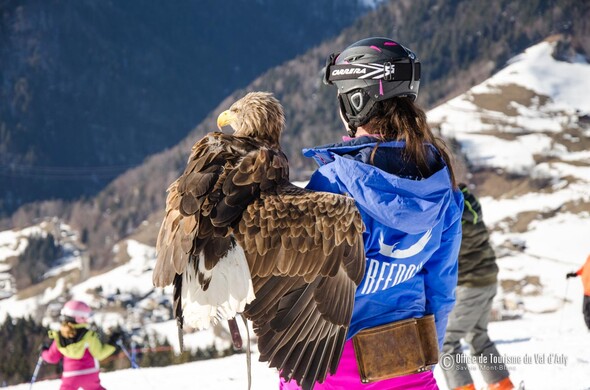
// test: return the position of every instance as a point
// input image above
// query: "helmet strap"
(351, 129)
(355, 120)
(345, 109)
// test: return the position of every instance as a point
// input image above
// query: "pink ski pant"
(86, 382)
(347, 378)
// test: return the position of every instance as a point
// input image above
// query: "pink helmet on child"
(76, 311)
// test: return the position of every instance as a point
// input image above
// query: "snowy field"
(560, 338)
(548, 351)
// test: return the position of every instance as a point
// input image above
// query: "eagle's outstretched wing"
(234, 226)
(306, 257)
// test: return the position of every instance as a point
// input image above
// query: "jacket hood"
(412, 204)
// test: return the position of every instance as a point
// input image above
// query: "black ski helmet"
(368, 71)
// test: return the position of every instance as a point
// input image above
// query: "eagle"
(239, 238)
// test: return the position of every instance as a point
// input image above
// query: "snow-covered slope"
(532, 108)
(525, 133)
(133, 277)
(14, 242)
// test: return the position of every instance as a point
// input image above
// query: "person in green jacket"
(476, 287)
(80, 348)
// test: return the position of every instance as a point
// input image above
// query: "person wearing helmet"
(79, 347)
(401, 178)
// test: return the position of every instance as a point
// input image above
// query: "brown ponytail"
(399, 119)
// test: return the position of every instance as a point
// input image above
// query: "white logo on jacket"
(390, 251)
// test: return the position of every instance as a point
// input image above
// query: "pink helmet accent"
(77, 310)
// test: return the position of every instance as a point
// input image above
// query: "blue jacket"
(413, 229)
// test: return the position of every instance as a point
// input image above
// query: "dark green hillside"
(89, 88)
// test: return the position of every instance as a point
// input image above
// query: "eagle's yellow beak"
(225, 118)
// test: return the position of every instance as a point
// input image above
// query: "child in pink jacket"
(80, 348)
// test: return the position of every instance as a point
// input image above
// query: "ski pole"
(133, 351)
(132, 360)
(126, 352)
(36, 372)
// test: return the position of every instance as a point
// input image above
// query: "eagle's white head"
(258, 115)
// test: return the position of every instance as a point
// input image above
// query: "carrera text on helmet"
(338, 72)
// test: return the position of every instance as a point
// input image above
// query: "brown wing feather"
(294, 222)
(306, 258)
(223, 175)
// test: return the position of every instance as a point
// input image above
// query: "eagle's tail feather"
(229, 289)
